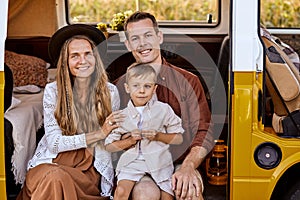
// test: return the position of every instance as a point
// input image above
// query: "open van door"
(3, 31)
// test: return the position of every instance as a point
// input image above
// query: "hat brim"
(60, 36)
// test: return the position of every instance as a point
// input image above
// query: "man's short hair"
(139, 15)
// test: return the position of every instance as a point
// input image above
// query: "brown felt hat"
(60, 36)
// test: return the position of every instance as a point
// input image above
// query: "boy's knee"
(121, 192)
(152, 192)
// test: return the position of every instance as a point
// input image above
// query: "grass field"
(274, 13)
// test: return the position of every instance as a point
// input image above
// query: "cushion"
(27, 70)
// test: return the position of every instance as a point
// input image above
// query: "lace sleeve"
(115, 98)
(56, 142)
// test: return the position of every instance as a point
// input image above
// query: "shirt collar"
(163, 71)
(133, 111)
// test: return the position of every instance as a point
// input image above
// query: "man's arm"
(195, 157)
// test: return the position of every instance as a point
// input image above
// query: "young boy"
(153, 125)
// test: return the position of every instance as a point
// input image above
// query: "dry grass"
(102, 10)
(281, 13)
(278, 13)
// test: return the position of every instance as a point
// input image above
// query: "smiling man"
(143, 40)
(183, 91)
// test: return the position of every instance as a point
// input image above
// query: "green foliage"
(102, 27)
(118, 20)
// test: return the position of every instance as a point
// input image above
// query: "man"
(183, 91)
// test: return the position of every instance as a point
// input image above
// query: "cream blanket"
(26, 118)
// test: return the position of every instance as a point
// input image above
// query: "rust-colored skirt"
(72, 177)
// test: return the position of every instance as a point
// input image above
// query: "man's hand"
(186, 180)
(186, 183)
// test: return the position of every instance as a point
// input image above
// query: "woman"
(70, 158)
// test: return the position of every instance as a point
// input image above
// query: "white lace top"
(53, 142)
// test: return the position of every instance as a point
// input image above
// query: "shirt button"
(136, 115)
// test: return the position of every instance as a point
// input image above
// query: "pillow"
(27, 70)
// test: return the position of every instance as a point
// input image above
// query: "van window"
(167, 12)
(280, 13)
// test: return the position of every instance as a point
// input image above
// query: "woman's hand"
(130, 139)
(112, 121)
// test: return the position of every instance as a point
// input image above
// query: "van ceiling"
(31, 18)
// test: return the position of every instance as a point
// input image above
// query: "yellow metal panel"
(242, 120)
(2, 156)
(290, 156)
(241, 138)
(248, 180)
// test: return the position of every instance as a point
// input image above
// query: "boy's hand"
(149, 134)
(136, 134)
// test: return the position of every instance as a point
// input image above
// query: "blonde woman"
(70, 161)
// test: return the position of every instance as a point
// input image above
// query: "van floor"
(214, 192)
(211, 192)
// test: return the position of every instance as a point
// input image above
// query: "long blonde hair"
(70, 115)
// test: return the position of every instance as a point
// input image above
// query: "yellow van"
(218, 40)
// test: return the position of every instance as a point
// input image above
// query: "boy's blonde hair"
(140, 70)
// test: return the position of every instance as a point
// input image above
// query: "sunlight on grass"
(103, 11)
(274, 13)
